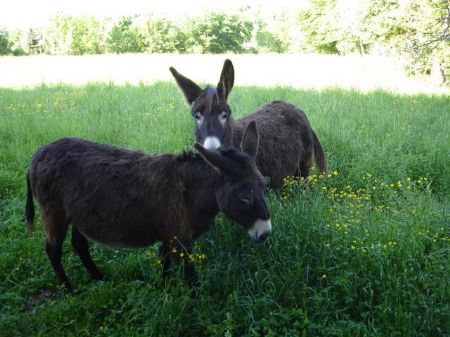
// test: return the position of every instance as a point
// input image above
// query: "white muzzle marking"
(211, 143)
(260, 230)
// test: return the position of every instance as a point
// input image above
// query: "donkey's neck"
(201, 182)
(237, 134)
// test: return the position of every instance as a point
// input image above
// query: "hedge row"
(417, 29)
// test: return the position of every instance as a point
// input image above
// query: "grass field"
(310, 71)
(364, 252)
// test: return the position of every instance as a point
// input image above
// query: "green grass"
(364, 252)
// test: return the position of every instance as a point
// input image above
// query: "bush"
(86, 36)
(416, 28)
(161, 36)
(427, 28)
(124, 37)
(270, 42)
(219, 33)
(73, 36)
(18, 43)
(34, 42)
(4, 42)
(317, 24)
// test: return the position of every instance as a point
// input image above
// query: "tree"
(125, 38)
(270, 42)
(418, 29)
(318, 23)
(161, 36)
(219, 33)
(4, 42)
(428, 43)
(18, 43)
(58, 36)
(73, 36)
(86, 36)
(274, 34)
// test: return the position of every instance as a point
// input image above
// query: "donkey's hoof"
(98, 276)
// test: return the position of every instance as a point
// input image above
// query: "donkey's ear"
(190, 89)
(215, 159)
(226, 81)
(250, 140)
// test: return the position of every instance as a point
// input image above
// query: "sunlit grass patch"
(361, 251)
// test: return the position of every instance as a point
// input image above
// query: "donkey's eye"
(246, 198)
(198, 116)
(224, 115)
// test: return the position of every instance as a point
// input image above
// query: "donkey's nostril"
(260, 230)
(264, 236)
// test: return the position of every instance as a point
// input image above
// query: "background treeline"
(417, 29)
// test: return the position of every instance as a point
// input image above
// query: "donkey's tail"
(29, 207)
(319, 155)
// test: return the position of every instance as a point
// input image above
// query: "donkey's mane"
(187, 155)
(194, 172)
(237, 156)
(230, 153)
(191, 167)
(209, 99)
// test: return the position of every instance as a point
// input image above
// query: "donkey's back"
(289, 145)
(126, 198)
(97, 186)
(110, 195)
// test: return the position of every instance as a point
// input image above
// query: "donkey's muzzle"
(260, 231)
(212, 143)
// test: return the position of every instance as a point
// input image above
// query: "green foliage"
(385, 22)
(415, 28)
(270, 42)
(124, 37)
(86, 36)
(427, 26)
(317, 23)
(162, 36)
(69, 35)
(362, 252)
(18, 43)
(277, 33)
(34, 42)
(4, 42)
(219, 33)
(57, 37)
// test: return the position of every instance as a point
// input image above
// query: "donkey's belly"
(111, 237)
(119, 243)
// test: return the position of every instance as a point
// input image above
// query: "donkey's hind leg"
(305, 166)
(81, 247)
(55, 227)
(179, 253)
(304, 170)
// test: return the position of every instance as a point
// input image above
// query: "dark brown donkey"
(287, 146)
(123, 198)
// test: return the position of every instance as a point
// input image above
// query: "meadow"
(361, 252)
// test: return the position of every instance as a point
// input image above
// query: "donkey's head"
(214, 124)
(240, 193)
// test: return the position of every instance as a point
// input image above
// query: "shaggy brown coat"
(288, 144)
(123, 198)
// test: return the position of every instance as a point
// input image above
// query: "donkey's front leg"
(189, 273)
(181, 253)
(164, 255)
